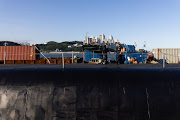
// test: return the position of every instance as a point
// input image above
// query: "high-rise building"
(97, 40)
(111, 40)
(105, 40)
(111, 37)
(90, 40)
(87, 40)
(93, 39)
(116, 41)
(102, 38)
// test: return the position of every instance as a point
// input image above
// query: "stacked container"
(19, 53)
(171, 55)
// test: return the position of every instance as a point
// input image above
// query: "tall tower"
(102, 38)
(97, 40)
(111, 37)
(86, 41)
(93, 39)
(110, 40)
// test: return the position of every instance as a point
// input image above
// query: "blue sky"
(36, 21)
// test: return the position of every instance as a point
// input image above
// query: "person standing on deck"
(118, 52)
(105, 49)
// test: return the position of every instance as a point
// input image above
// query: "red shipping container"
(19, 53)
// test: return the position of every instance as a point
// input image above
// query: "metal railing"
(6, 56)
(11, 56)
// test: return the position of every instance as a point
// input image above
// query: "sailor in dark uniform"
(119, 56)
(105, 49)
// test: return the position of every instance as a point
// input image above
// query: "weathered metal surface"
(67, 60)
(29, 61)
(59, 61)
(91, 54)
(52, 61)
(40, 61)
(90, 94)
(18, 53)
(171, 55)
(10, 62)
(19, 61)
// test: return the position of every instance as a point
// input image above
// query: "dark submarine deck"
(90, 92)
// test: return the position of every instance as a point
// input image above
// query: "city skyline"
(155, 21)
(111, 42)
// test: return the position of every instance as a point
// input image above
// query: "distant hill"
(9, 43)
(52, 46)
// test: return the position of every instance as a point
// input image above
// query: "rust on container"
(29, 61)
(19, 53)
(10, 62)
(42, 58)
(52, 61)
(67, 58)
(40, 61)
(19, 61)
(67, 61)
(59, 61)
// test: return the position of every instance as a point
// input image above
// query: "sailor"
(118, 53)
(105, 51)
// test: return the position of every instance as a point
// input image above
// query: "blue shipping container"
(89, 54)
(130, 48)
(137, 56)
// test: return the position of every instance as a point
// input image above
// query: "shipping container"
(29, 62)
(19, 61)
(19, 53)
(91, 54)
(94, 51)
(171, 55)
(139, 56)
(10, 62)
(67, 60)
(130, 48)
(59, 61)
(40, 61)
(52, 61)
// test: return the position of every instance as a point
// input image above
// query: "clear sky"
(36, 21)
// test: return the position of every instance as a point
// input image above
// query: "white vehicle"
(96, 61)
